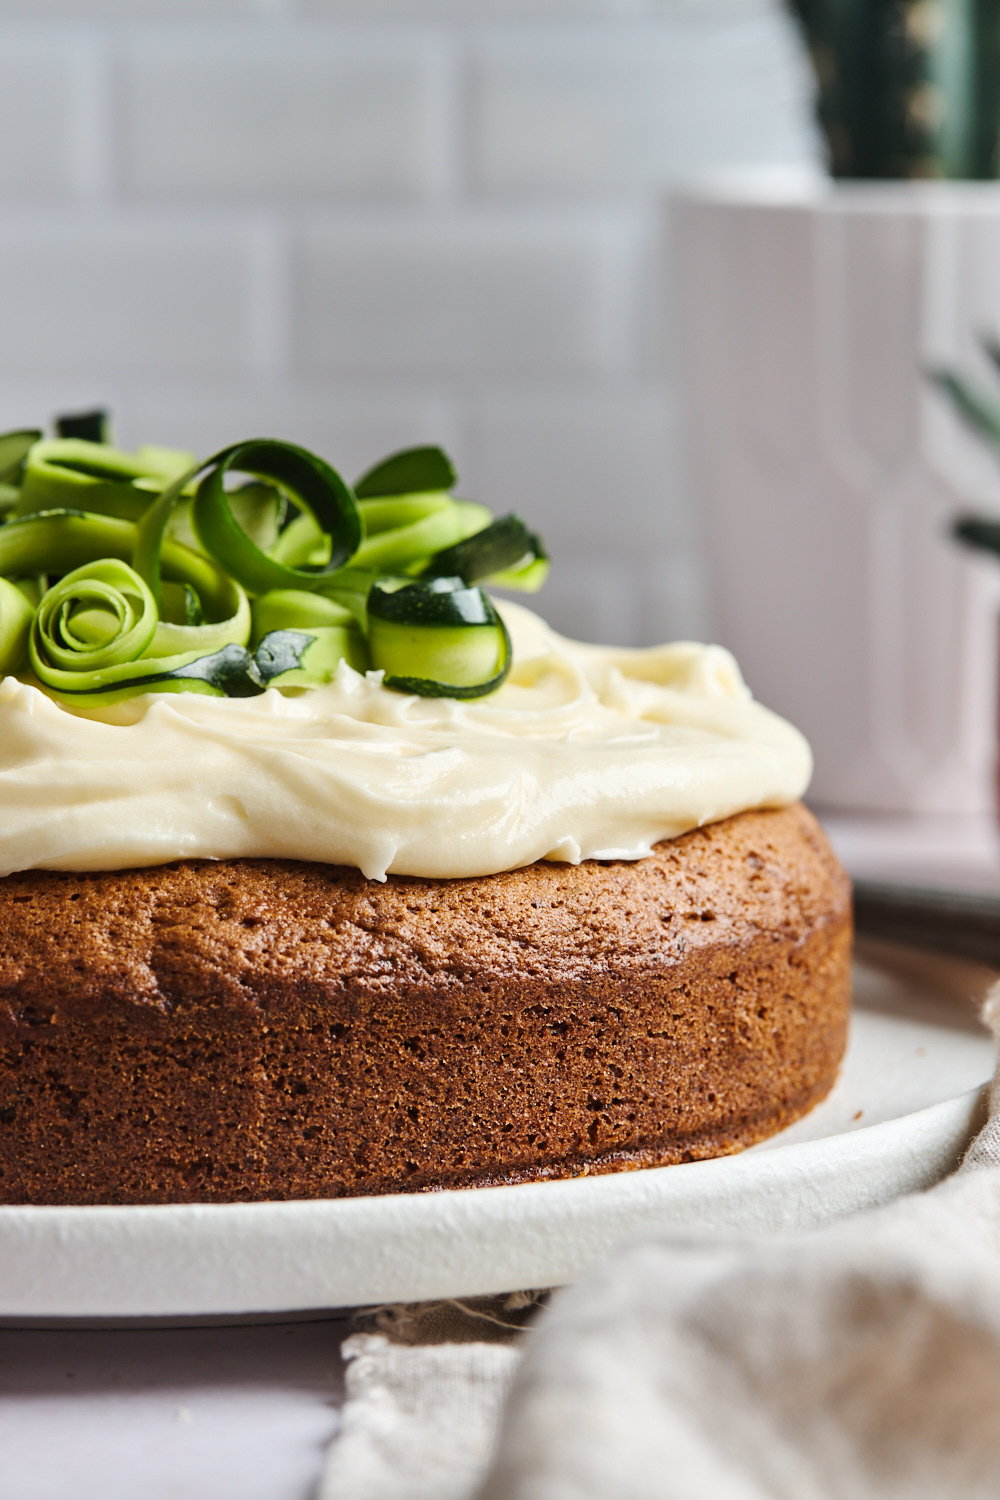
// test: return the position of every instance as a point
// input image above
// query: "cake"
(258, 1029)
(276, 925)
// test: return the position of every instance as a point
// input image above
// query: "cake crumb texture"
(267, 1029)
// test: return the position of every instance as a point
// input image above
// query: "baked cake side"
(263, 1029)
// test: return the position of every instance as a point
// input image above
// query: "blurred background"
(360, 224)
(708, 290)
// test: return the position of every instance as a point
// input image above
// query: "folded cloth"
(419, 1423)
(857, 1361)
(424, 1393)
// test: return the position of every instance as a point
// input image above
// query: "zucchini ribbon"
(124, 573)
(440, 639)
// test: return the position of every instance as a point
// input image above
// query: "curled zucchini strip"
(395, 547)
(439, 639)
(84, 548)
(58, 541)
(295, 609)
(400, 534)
(409, 514)
(229, 673)
(92, 635)
(312, 485)
(93, 425)
(505, 550)
(99, 616)
(408, 472)
(16, 615)
(82, 475)
(14, 449)
(152, 557)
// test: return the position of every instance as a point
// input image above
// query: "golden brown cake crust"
(257, 1029)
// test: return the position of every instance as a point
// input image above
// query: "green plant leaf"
(971, 404)
(979, 532)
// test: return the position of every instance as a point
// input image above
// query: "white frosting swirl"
(586, 752)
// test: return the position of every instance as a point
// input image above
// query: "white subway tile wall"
(367, 223)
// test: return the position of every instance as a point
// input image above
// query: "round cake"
(323, 872)
(266, 1029)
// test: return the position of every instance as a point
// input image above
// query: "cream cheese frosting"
(586, 752)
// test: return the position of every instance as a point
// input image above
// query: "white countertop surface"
(168, 1413)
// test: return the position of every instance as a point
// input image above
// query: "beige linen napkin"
(424, 1396)
(857, 1361)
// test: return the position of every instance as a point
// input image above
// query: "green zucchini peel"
(408, 472)
(504, 547)
(229, 673)
(303, 659)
